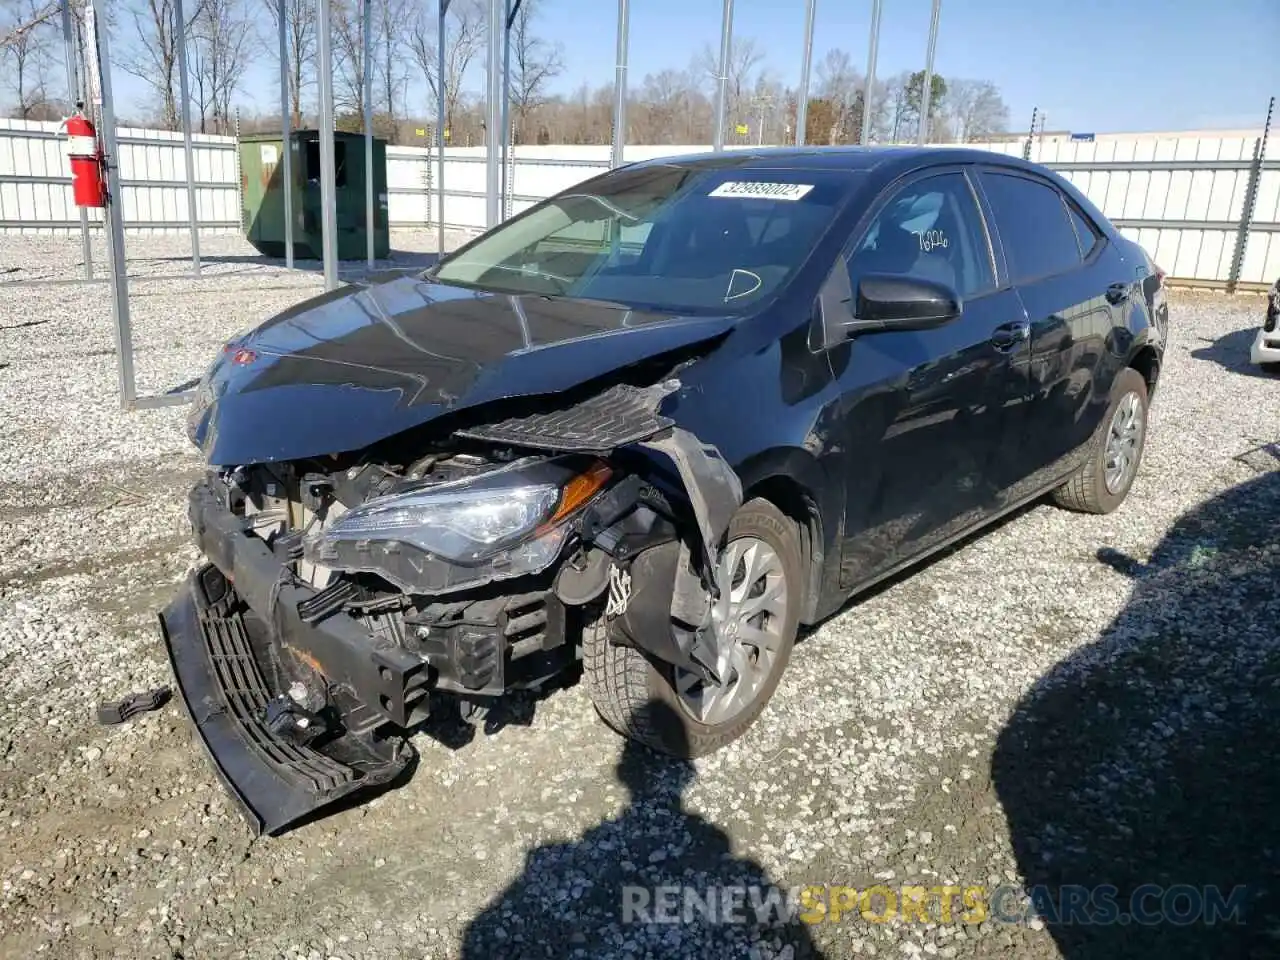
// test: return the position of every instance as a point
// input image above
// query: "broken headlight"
(451, 536)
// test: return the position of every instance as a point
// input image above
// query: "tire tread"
(620, 679)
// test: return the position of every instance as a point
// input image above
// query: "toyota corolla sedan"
(644, 430)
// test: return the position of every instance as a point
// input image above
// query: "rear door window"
(1086, 232)
(1035, 228)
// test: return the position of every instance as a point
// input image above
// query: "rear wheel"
(1103, 481)
(670, 709)
(1270, 367)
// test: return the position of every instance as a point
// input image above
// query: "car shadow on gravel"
(1140, 776)
(654, 880)
(1231, 350)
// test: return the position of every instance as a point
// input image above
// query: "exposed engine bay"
(351, 597)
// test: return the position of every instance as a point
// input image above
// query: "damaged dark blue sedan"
(645, 430)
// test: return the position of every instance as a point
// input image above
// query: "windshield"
(668, 237)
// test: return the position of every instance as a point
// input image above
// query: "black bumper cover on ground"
(276, 783)
(217, 667)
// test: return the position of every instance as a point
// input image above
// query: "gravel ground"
(1065, 699)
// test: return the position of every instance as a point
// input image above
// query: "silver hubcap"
(1124, 439)
(749, 618)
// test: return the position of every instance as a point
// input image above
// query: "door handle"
(1009, 335)
(1117, 293)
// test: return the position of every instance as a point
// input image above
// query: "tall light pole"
(873, 47)
(440, 124)
(328, 200)
(286, 134)
(493, 113)
(722, 80)
(802, 101)
(368, 132)
(75, 94)
(184, 103)
(926, 95)
(620, 85)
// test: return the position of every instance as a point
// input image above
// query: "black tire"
(1086, 490)
(1270, 367)
(636, 696)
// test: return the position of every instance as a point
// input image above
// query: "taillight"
(1159, 273)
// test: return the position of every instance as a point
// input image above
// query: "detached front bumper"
(229, 648)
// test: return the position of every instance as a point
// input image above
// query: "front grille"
(246, 694)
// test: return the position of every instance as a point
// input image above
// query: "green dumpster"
(262, 194)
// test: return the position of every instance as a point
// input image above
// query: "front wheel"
(1103, 481)
(671, 710)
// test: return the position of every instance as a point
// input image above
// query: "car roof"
(885, 160)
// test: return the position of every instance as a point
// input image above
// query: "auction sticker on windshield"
(761, 190)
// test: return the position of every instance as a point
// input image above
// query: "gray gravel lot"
(1064, 699)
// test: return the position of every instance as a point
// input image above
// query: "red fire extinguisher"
(86, 162)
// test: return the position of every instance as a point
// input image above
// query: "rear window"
(1086, 232)
(1035, 228)
(668, 237)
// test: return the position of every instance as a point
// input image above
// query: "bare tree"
(28, 32)
(464, 34)
(535, 62)
(975, 109)
(346, 17)
(745, 57)
(664, 110)
(392, 76)
(300, 47)
(17, 20)
(218, 57)
(152, 56)
(839, 84)
(897, 106)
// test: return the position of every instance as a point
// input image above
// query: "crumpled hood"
(353, 366)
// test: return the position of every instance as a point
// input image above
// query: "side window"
(1086, 232)
(931, 229)
(1035, 228)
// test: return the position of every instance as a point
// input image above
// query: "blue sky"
(1089, 65)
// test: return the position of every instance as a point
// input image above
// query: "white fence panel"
(1181, 196)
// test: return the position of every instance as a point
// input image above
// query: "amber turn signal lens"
(578, 491)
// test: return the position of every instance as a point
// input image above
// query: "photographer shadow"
(602, 895)
(1149, 762)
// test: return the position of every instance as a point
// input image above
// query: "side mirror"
(888, 302)
(882, 302)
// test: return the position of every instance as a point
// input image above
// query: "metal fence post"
(428, 185)
(509, 175)
(184, 106)
(1250, 201)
